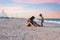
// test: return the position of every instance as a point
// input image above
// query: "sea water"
(51, 20)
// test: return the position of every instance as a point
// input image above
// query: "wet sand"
(15, 29)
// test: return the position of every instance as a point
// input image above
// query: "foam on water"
(52, 21)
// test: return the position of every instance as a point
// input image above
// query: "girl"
(31, 22)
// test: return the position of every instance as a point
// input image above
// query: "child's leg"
(42, 24)
(28, 24)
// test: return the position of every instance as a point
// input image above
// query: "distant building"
(3, 15)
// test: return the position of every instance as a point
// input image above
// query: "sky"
(28, 8)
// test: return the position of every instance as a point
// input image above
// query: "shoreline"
(24, 20)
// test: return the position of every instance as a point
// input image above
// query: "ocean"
(51, 20)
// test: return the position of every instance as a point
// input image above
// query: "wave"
(52, 21)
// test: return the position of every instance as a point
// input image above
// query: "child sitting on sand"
(31, 22)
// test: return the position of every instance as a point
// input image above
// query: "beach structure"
(3, 14)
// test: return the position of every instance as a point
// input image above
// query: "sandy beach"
(15, 29)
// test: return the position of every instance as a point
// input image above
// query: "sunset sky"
(28, 8)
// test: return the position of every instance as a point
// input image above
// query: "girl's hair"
(32, 18)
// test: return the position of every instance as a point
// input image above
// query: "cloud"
(10, 10)
(36, 1)
(20, 11)
(11, 7)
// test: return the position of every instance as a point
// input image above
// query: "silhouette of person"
(42, 19)
(31, 22)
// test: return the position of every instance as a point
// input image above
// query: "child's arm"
(36, 24)
(32, 24)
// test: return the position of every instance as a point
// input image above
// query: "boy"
(42, 19)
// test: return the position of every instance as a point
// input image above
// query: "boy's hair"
(40, 15)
